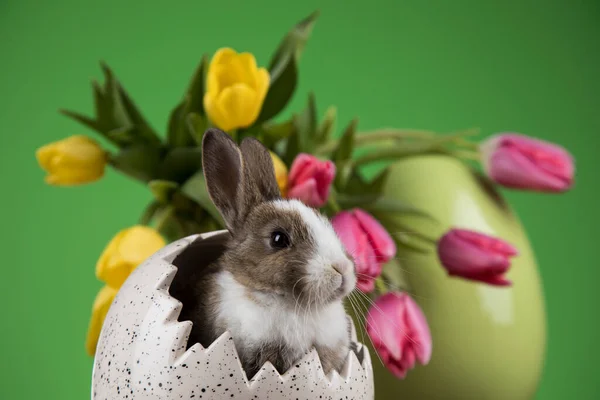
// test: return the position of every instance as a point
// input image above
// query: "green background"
(528, 66)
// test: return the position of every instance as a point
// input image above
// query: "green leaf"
(295, 40)
(197, 124)
(116, 114)
(327, 126)
(195, 91)
(180, 163)
(123, 136)
(180, 133)
(272, 132)
(195, 189)
(149, 213)
(140, 161)
(281, 88)
(82, 119)
(343, 152)
(377, 184)
(292, 148)
(306, 125)
(343, 175)
(162, 190)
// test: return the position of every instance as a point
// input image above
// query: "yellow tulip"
(281, 173)
(236, 89)
(129, 248)
(102, 304)
(72, 161)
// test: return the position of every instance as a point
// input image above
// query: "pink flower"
(521, 162)
(310, 180)
(368, 243)
(399, 331)
(476, 256)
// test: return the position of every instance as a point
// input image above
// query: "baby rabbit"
(279, 282)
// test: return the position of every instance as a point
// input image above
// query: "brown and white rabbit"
(279, 282)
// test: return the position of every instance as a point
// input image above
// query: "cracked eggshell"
(141, 352)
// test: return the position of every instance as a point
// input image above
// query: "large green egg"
(488, 342)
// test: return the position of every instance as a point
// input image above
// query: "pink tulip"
(310, 180)
(399, 332)
(521, 162)
(368, 243)
(476, 256)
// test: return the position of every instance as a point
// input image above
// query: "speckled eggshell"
(141, 352)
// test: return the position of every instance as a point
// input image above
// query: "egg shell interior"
(142, 351)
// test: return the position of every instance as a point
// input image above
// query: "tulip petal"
(238, 104)
(382, 242)
(399, 331)
(384, 322)
(307, 193)
(302, 168)
(246, 63)
(125, 252)
(214, 113)
(420, 332)
(262, 85)
(223, 56)
(324, 176)
(521, 162)
(102, 304)
(44, 155)
(365, 284)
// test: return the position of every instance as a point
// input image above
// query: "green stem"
(467, 155)
(380, 284)
(380, 135)
(332, 202)
(163, 218)
(362, 138)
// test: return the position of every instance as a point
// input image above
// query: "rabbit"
(278, 280)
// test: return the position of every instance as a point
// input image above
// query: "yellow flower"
(236, 89)
(125, 252)
(72, 161)
(103, 301)
(281, 173)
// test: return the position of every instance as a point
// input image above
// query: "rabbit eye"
(280, 240)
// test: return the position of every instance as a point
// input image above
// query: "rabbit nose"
(342, 267)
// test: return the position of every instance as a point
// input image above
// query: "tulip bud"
(236, 89)
(281, 173)
(310, 180)
(521, 162)
(125, 252)
(367, 241)
(102, 304)
(72, 161)
(399, 332)
(475, 256)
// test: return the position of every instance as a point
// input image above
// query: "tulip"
(399, 332)
(521, 162)
(475, 256)
(370, 245)
(236, 89)
(310, 180)
(72, 161)
(102, 304)
(281, 173)
(129, 248)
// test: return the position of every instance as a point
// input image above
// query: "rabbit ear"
(260, 183)
(222, 165)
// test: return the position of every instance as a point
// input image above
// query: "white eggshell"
(141, 352)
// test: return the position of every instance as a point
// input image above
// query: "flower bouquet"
(366, 182)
